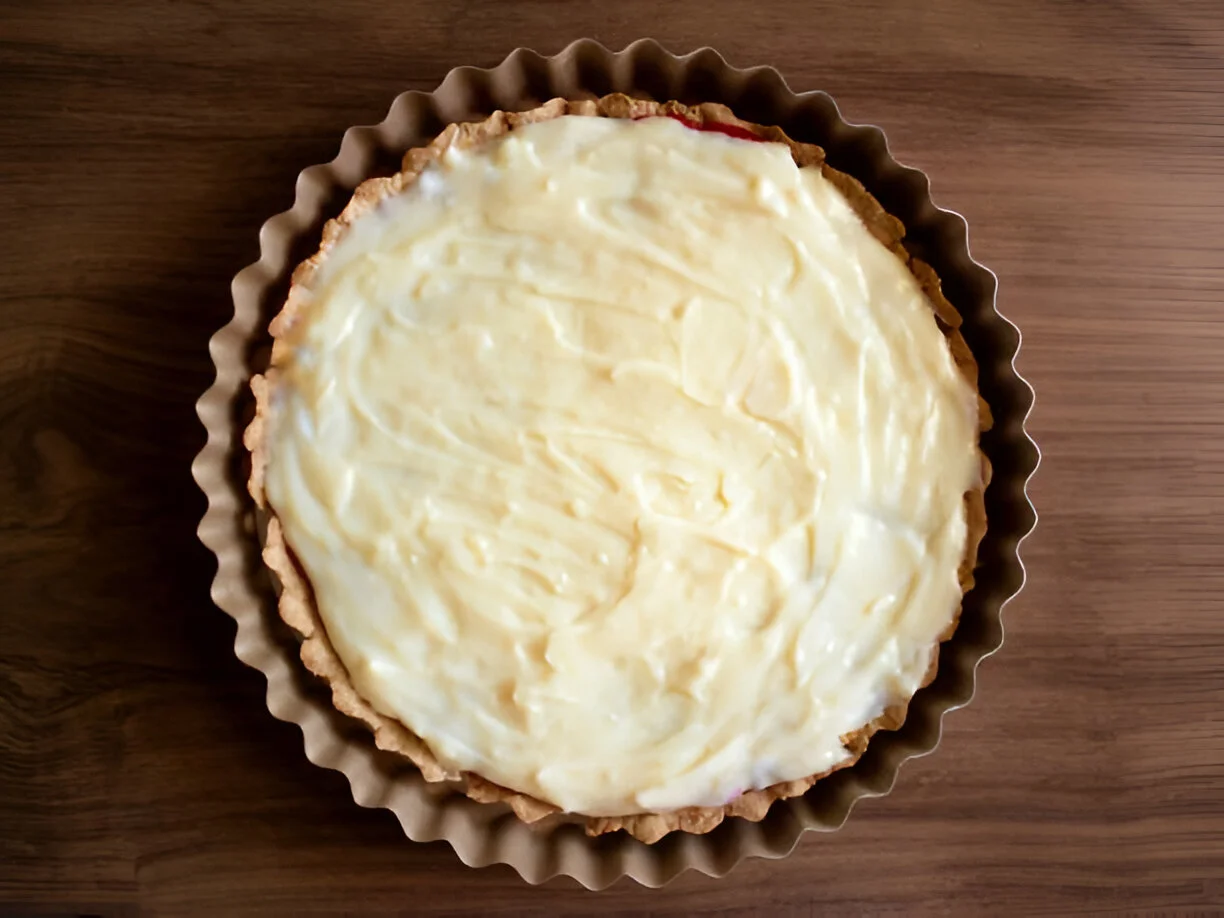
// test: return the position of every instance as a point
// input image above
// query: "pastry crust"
(296, 603)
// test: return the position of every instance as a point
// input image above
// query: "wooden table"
(141, 148)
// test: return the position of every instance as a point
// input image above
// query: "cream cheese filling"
(627, 467)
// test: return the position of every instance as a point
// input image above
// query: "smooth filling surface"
(627, 467)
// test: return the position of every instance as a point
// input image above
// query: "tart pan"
(485, 833)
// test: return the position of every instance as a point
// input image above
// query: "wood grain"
(142, 146)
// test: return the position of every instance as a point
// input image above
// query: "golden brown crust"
(297, 606)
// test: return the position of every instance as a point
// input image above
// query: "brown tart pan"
(483, 833)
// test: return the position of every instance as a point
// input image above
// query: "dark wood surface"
(141, 146)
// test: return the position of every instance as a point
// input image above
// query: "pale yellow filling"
(626, 465)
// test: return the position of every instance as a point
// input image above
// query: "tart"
(620, 461)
